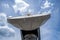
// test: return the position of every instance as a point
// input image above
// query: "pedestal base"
(30, 35)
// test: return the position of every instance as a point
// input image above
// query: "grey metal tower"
(29, 25)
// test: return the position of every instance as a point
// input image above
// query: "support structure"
(31, 35)
(29, 25)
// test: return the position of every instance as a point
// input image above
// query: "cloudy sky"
(49, 31)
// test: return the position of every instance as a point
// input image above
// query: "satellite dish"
(29, 22)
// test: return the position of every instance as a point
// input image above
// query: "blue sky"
(49, 31)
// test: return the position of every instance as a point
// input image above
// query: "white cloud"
(47, 4)
(3, 19)
(18, 1)
(6, 32)
(3, 14)
(20, 5)
(4, 29)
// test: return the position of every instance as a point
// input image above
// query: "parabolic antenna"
(29, 22)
